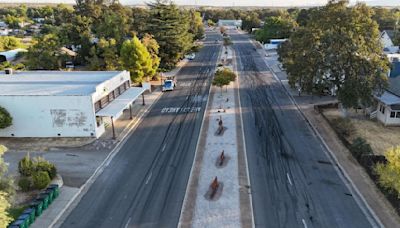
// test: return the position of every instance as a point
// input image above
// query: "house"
(388, 109)
(10, 55)
(65, 104)
(387, 42)
(230, 24)
(274, 44)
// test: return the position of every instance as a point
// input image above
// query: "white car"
(191, 56)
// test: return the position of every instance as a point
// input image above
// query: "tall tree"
(251, 21)
(339, 47)
(46, 54)
(196, 25)
(136, 59)
(170, 27)
(278, 27)
(104, 55)
(152, 47)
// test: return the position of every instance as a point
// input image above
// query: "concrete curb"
(185, 200)
(359, 198)
(104, 164)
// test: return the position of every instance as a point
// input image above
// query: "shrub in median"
(25, 183)
(41, 179)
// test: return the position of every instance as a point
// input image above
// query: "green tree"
(251, 21)
(104, 55)
(136, 59)
(112, 23)
(46, 54)
(223, 77)
(140, 18)
(170, 27)
(338, 48)
(5, 118)
(152, 47)
(9, 43)
(389, 173)
(278, 27)
(210, 22)
(196, 25)
(13, 21)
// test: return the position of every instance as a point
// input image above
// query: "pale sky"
(228, 2)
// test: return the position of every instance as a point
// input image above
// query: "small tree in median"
(223, 77)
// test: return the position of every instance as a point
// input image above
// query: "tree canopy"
(278, 27)
(5, 118)
(338, 48)
(389, 173)
(170, 27)
(136, 59)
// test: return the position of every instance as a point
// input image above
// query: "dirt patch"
(380, 138)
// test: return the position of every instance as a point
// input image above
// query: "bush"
(388, 174)
(25, 184)
(5, 118)
(343, 126)
(26, 166)
(41, 179)
(360, 147)
(41, 164)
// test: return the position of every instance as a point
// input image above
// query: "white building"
(10, 55)
(230, 24)
(64, 104)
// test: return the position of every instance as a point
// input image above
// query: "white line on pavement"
(304, 223)
(288, 177)
(162, 150)
(148, 178)
(127, 224)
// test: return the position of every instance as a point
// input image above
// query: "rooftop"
(53, 83)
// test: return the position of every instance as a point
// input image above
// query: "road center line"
(148, 178)
(288, 177)
(129, 220)
(162, 150)
(304, 223)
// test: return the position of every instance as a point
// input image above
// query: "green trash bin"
(31, 212)
(20, 224)
(50, 192)
(45, 199)
(26, 218)
(55, 188)
(38, 206)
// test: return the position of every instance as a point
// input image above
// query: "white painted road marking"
(148, 178)
(129, 220)
(180, 110)
(288, 177)
(165, 145)
(304, 223)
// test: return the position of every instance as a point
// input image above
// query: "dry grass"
(380, 138)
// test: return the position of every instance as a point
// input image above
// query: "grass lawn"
(380, 138)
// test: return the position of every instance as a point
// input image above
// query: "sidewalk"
(360, 180)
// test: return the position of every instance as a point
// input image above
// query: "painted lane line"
(149, 177)
(288, 177)
(129, 220)
(304, 223)
(162, 150)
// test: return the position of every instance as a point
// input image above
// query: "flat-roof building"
(64, 104)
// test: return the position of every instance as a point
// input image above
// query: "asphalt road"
(293, 183)
(144, 185)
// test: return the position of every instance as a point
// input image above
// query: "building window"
(380, 107)
(397, 114)
(383, 109)
(392, 114)
(99, 121)
(97, 106)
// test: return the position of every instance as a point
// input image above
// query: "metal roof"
(117, 106)
(389, 98)
(53, 83)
